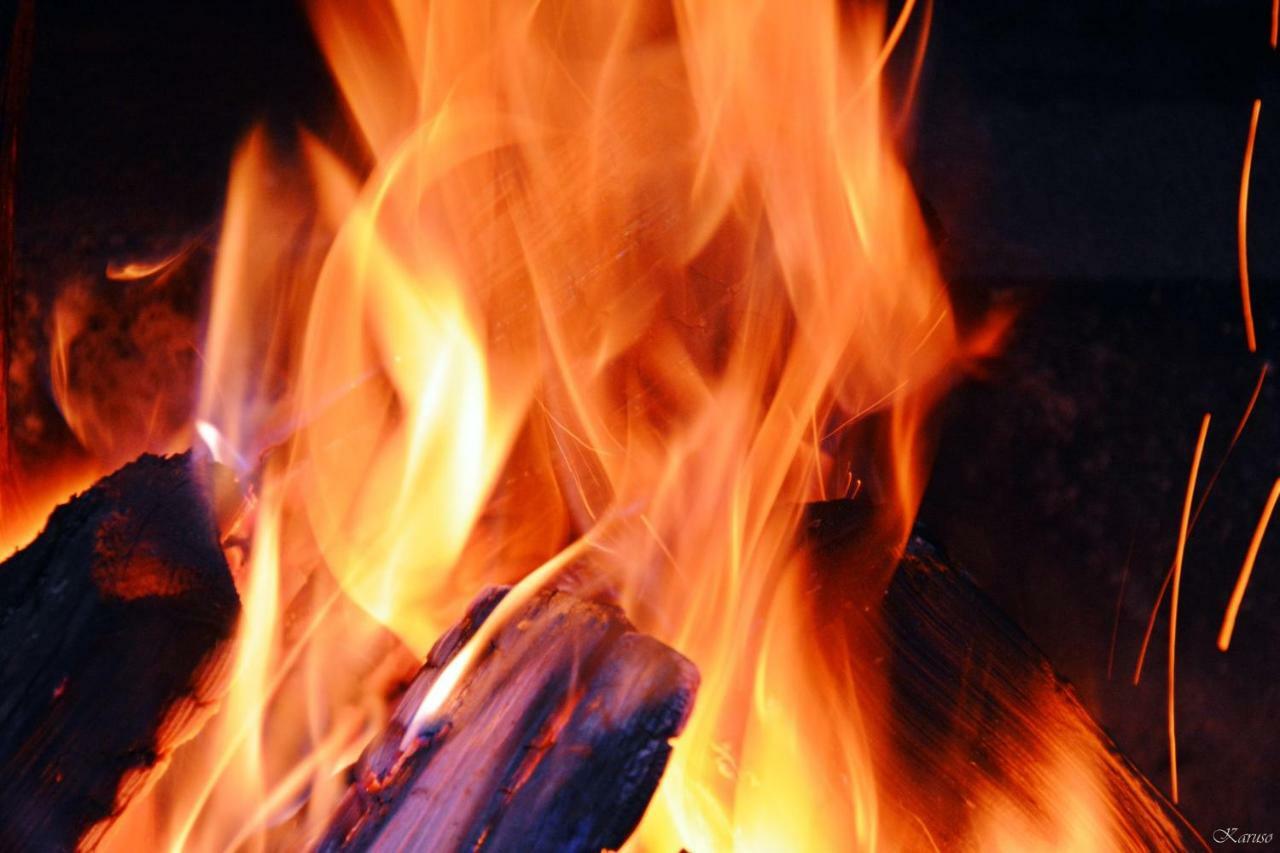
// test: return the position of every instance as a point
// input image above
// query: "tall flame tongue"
(647, 272)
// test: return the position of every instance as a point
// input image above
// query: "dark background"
(1084, 161)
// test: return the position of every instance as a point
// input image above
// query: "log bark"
(555, 740)
(114, 623)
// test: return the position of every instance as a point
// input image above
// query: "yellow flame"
(648, 271)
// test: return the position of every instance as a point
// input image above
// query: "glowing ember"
(1195, 516)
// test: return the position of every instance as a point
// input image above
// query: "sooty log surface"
(977, 735)
(555, 740)
(980, 713)
(114, 622)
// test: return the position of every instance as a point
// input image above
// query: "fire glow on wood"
(589, 283)
(600, 378)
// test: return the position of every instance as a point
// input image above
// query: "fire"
(121, 368)
(636, 276)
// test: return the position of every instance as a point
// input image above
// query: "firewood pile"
(116, 621)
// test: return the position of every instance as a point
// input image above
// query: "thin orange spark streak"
(1237, 596)
(1115, 624)
(1204, 496)
(1151, 625)
(1242, 228)
(1173, 601)
(917, 65)
(1244, 419)
(892, 41)
(1275, 22)
(886, 50)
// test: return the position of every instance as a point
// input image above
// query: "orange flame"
(636, 276)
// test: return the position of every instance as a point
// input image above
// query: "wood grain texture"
(977, 734)
(555, 740)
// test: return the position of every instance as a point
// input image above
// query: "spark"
(1173, 603)
(817, 457)
(661, 543)
(917, 65)
(135, 270)
(1248, 409)
(886, 50)
(890, 43)
(1275, 22)
(854, 418)
(927, 834)
(1204, 497)
(1115, 624)
(1242, 228)
(1233, 607)
(936, 323)
(586, 445)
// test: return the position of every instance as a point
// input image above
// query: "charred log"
(555, 740)
(975, 713)
(113, 625)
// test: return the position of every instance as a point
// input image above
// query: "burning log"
(968, 683)
(113, 628)
(977, 715)
(555, 740)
